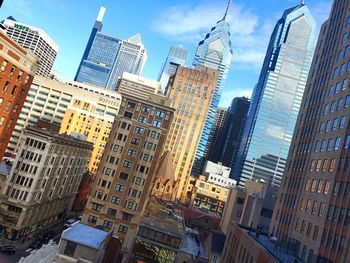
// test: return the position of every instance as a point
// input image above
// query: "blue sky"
(162, 24)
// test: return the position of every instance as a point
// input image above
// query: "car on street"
(8, 250)
(69, 223)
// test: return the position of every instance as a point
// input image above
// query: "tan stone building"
(137, 86)
(244, 205)
(191, 91)
(128, 166)
(45, 176)
(209, 196)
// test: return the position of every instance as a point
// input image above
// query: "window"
(130, 205)
(307, 185)
(107, 224)
(318, 165)
(146, 109)
(3, 66)
(142, 119)
(328, 125)
(123, 229)
(324, 165)
(323, 145)
(127, 217)
(329, 144)
(345, 84)
(123, 176)
(70, 248)
(96, 207)
(320, 186)
(127, 164)
(132, 153)
(347, 101)
(322, 209)
(332, 165)
(135, 141)
(326, 187)
(92, 219)
(157, 124)
(326, 109)
(313, 185)
(160, 113)
(337, 144)
(347, 141)
(342, 122)
(139, 130)
(335, 124)
(128, 114)
(321, 127)
(332, 107)
(120, 188)
(131, 104)
(111, 212)
(115, 200)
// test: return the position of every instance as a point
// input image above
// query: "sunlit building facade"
(191, 91)
(78, 108)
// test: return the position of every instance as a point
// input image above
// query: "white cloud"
(228, 95)
(190, 24)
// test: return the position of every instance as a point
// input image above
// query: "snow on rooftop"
(85, 235)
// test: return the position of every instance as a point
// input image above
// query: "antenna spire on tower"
(302, 2)
(227, 8)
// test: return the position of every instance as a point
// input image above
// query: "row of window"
(108, 224)
(315, 207)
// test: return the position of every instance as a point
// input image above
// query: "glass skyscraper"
(106, 57)
(214, 52)
(177, 56)
(276, 99)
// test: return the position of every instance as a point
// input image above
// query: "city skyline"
(159, 32)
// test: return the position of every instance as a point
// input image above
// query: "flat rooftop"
(85, 235)
(192, 245)
(274, 249)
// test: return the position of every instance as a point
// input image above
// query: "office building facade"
(125, 175)
(177, 56)
(17, 69)
(312, 209)
(137, 86)
(35, 40)
(76, 107)
(214, 52)
(106, 57)
(237, 114)
(191, 91)
(276, 100)
(41, 186)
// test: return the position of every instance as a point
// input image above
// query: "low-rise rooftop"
(85, 235)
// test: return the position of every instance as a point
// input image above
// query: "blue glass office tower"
(214, 52)
(106, 57)
(276, 100)
(177, 56)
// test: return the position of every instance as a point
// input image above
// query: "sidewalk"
(19, 244)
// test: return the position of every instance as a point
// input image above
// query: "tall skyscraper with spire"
(106, 57)
(276, 99)
(214, 52)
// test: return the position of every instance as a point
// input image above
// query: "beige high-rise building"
(78, 108)
(128, 166)
(41, 186)
(137, 86)
(191, 91)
